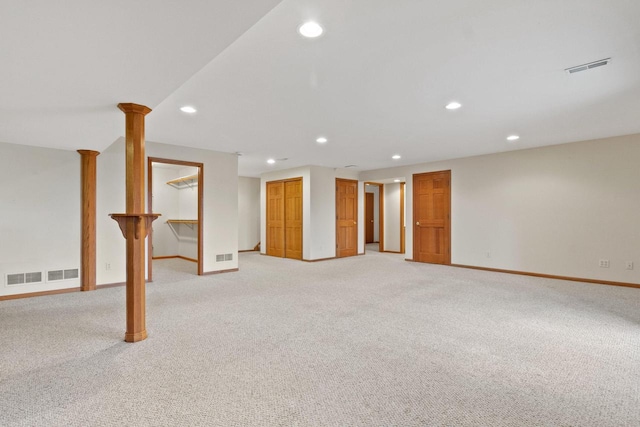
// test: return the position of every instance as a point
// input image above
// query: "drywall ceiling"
(375, 83)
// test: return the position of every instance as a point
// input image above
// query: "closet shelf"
(183, 221)
(184, 182)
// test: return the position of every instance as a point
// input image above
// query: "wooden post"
(88, 221)
(135, 224)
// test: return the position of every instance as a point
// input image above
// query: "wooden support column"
(88, 220)
(135, 224)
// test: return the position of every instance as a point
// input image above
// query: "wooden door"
(275, 219)
(432, 217)
(368, 218)
(293, 218)
(346, 217)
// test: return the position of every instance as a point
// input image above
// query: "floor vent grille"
(55, 275)
(24, 278)
(224, 257)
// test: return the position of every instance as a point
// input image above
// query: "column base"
(135, 336)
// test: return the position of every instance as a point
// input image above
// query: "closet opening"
(374, 216)
(175, 190)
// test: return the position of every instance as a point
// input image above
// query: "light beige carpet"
(366, 341)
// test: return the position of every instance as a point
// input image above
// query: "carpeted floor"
(367, 341)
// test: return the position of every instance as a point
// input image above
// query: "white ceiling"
(375, 84)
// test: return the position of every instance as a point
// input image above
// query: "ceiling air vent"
(589, 66)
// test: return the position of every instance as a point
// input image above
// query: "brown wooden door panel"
(431, 217)
(368, 218)
(293, 219)
(284, 218)
(346, 217)
(275, 219)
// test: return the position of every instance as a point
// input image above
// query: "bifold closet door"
(284, 218)
(275, 218)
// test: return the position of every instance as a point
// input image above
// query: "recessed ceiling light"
(513, 138)
(310, 29)
(188, 109)
(321, 140)
(271, 161)
(396, 156)
(453, 105)
(396, 180)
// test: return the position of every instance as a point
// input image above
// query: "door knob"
(354, 222)
(371, 220)
(418, 223)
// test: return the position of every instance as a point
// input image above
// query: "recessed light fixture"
(310, 29)
(396, 180)
(271, 161)
(396, 156)
(453, 105)
(188, 109)
(513, 138)
(321, 140)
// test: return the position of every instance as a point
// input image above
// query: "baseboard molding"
(319, 259)
(38, 294)
(550, 276)
(231, 270)
(392, 252)
(113, 285)
(174, 257)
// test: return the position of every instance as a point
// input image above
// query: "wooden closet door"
(293, 218)
(432, 217)
(275, 219)
(346, 217)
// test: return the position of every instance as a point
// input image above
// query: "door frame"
(413, 219)
(380, 214)
(200, 166)
(402, 220)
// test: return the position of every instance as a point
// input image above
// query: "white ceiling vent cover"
(589, 66)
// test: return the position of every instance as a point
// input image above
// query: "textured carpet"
(367, 341)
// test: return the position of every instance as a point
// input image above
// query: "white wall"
(220, 206)
(318, 208)
(248, 213)
(552, 210)
(392, 217)
(39, 215)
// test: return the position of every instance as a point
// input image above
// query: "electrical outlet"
(604, 263)
(107, 266)
(629, 265)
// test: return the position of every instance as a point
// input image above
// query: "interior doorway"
(175, 190)
(346, 217)
(374, 216)
(284, 218)
(432, 217)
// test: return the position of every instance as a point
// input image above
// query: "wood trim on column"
(88, 219)
(135, 222)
